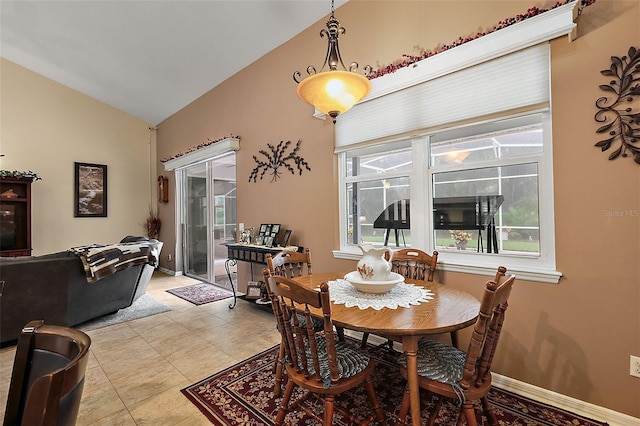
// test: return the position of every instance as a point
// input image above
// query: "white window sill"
(522, 272)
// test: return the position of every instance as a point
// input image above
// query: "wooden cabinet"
(15, 217)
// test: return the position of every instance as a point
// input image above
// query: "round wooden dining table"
(450, 309)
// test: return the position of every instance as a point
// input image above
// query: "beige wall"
(575, 337)
(46, 127)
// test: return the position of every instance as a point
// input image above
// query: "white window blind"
(510, 82)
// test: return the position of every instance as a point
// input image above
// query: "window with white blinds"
(473, 121)
(516, 81)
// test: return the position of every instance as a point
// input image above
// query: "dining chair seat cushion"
(439, 362)
(318, 325)
(351, 360)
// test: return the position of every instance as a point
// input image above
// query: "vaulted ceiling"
(149, 58)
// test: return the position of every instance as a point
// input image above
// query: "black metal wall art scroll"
(277, 158)
(621, 114)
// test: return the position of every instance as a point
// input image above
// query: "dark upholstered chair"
(48, 376)
(318, 363)
(417, 265)
(464, 377)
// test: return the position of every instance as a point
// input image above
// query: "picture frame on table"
(268, 241)
(275, 228)
(285, 238)
(263, 229)
(260, 240)
(90, 190)
(253, 290)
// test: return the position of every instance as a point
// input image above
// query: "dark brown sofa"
(54, 288)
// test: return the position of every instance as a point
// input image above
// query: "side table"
(249, 253)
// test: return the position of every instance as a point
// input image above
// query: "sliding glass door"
(208, 215)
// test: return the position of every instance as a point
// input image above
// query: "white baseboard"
(170, 272)
(545, 396)
(613, 418)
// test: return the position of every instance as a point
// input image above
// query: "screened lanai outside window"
(377, 181)
(484, 177)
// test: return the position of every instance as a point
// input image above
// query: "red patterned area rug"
(242, 395)
(201, 293)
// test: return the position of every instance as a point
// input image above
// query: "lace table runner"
(402, 295)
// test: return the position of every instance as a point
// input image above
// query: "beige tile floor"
(136, 369)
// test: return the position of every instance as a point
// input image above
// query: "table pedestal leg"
(410, 348)
(227, 264)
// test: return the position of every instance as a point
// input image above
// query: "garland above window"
(195, 148)
(409, 60)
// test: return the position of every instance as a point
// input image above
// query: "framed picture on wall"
(90, 190)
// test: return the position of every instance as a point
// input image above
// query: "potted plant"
(152, 224)
(461, 238)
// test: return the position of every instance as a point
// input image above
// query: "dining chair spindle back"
(464, 377)
(318, 363)
(417, 265)
(289, 264)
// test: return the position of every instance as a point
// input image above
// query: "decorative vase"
(374, 266)
(461, 245)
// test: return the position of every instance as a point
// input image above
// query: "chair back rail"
(464, 377)
(415, 264)
(292, 303)
(48, 375)
(486, 332)
(289, 263)
(316, 362)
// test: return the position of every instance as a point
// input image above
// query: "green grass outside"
(510, 245)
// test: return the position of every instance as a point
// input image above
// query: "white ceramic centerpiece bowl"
(371, 286)
(374, 271)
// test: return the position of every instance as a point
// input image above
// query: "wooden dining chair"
(318, 363)
(48, 376)
(417, 265)
(289, 264)
(464, 377)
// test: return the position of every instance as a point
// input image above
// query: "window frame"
(554, 23)
(540, 268)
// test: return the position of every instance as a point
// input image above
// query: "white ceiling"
(149, 58)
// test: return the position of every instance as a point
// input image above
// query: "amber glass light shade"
(334, 92)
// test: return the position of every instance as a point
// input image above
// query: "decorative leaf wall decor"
(277, 158)
(621, 114)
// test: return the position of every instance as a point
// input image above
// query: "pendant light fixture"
(334, 91)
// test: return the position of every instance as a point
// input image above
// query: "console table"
(249, 253)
